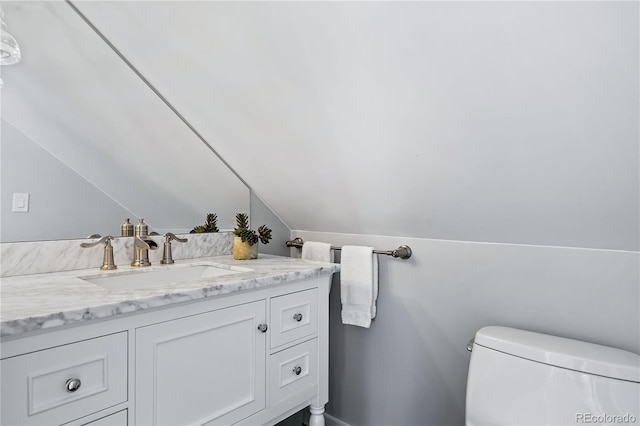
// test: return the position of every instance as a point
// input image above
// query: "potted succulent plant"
(245, 242)
(211, 225)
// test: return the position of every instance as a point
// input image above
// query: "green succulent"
(265, 234)
(198, 230)
(211, 225)
(242, 222)
(248, 235)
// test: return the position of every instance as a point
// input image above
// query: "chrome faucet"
(142, 244)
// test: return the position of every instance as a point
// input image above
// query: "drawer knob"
(297, 370)
(263, 328)
(298, 317)
(73, 385)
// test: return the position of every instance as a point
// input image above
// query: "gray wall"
(410, 367)
(520, 163)
(262, 214)
(56, 192)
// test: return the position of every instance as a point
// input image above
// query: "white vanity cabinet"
(60, 384)
(203, 369)
(252, 357)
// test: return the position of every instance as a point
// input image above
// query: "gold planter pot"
(243, 251)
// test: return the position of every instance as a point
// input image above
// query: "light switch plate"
(20, 202)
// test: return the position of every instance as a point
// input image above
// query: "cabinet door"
(203, 369)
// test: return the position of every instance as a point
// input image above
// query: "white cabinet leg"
(317, 416)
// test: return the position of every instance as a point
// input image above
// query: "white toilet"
(518, 377)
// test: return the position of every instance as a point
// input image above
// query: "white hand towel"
(320, 252)
(358, 285)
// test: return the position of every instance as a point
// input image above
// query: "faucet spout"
(142, 243)
(146, 244)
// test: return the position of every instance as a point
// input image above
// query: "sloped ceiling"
(481, 121)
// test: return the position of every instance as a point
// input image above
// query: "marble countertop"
(39, 301)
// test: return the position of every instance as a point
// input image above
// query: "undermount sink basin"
(173, 274)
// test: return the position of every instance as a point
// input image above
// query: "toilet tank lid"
(562, 352)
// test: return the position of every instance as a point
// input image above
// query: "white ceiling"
(481, 121)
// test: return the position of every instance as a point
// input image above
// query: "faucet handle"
(107, 259)
(106, 240)
(167, 257)
(169, 236)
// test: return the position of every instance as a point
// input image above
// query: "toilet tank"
(518, 377)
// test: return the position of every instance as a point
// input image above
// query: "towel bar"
(403, 252)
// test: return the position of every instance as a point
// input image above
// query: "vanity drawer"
(294, 316)
(38, 388)
(293, 370)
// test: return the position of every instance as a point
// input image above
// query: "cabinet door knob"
(297, 370)
(263, 328)
(298, 317)
(73, 385)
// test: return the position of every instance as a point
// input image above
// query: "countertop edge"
(276, 275)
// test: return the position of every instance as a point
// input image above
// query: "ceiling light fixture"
(9, 49)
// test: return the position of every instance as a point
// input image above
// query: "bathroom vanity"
(244, 342)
